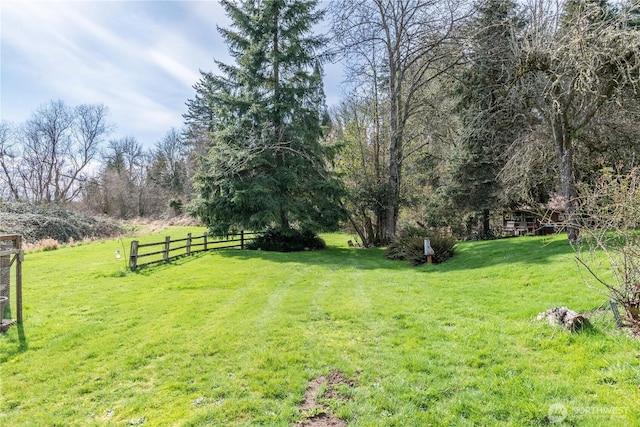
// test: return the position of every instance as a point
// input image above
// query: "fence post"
(188, 243)
(204, 236)
(242, 239)
(20, 258)
(616, 313)
(5, 275)
(165, 252)
(133, 255)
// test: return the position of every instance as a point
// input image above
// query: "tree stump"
(566, 318)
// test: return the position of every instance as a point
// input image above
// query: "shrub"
(40, 222)
(609, 211)
(291, 240)
(42, 245)
(481, 235)
(409, 245)
(177, 206)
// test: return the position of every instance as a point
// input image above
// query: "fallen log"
(566, 318)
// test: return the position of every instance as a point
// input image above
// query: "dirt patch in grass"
(324, 388)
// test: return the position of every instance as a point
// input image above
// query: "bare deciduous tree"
(51, 152)
(123, 176)
(168, 164)
(404, 45)
(574, 60)
(134, 183)
(609, 247)
(361, 164)
(9, 173)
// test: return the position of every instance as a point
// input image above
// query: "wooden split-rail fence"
(168, 249)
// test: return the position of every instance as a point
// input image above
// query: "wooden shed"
(545, 219)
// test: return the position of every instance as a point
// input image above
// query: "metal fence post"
(616, 313)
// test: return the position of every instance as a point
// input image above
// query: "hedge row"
(39, 222)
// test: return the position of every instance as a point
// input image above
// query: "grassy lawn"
(234, 337)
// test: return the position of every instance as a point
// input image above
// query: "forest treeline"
(453, 111)
(63, 155)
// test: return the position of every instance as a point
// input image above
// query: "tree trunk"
(393, 196)
(564, 151)
(485, 222)
(565, 317)
(284, 219)
(395, 162)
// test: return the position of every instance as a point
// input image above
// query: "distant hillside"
(41, 222)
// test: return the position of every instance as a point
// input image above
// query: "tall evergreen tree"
(489, 113)
(266, 165)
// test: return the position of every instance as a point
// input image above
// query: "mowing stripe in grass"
(233, 337)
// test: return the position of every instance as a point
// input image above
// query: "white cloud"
(135, 57)
(173, 67)
(140, 58)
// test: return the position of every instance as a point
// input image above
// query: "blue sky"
(139, 58)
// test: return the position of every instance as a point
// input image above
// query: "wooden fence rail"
(168, 249)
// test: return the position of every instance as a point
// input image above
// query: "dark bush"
(409, 245)
(481, 235)
(291, 240)
(177, 206)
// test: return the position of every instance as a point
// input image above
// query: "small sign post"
(428, 251)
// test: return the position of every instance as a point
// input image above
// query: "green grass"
(233, 338)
